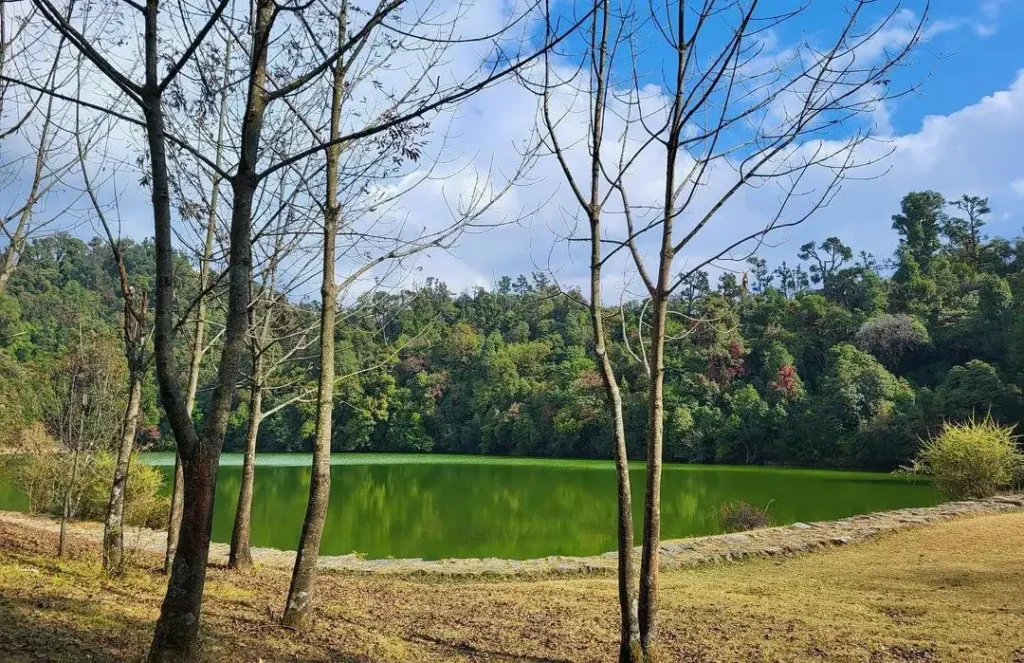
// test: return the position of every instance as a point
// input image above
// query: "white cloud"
(973, 150)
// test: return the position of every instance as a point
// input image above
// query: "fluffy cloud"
(973, 150)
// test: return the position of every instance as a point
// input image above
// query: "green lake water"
(434, 506)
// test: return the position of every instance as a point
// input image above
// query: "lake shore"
(930, 590)
(679, 553)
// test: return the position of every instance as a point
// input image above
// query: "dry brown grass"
(945, 592)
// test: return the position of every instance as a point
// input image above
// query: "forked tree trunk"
(113, 527)
(240, 555)
(176, 635)
(300, 592)
(199, 332)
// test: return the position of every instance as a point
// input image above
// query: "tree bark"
(240, 556)
(177, 629)
(649, 561)
(174, 517)
(113, 528)
(629, 632)
(300, 592)
(648, 611)
(199, 332)
(176, 635)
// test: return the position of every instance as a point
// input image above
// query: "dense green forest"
(835, 359)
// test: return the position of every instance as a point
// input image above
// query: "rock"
(801, 526)
(736, 538)
(839, 540)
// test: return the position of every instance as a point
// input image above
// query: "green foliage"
(45, 477)
(975, 458)
(975, 388)
(918, 223)
(826, 361)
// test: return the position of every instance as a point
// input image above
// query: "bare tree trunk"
(300, 592)
(630, 650)
(66, 511)
(240, 556)
(113, 528)
(652, 495)
(176, 635)
(629, 635)
(174, 517)
(649, 561)
(177, 629)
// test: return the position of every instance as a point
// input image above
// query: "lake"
(435, 506)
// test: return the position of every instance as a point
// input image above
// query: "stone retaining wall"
(770, 542)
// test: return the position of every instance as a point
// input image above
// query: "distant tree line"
(836, 360)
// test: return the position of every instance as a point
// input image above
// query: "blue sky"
(963, 132)
(981, 55)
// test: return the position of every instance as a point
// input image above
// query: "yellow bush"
(44, 478)
(971, 459)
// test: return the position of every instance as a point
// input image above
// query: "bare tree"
(356, 164)
(136, 333)
(591, 193)
(278, 335)
(36, 121)
(80, 412)
(150, 82)
(727, 113)
(198, 347)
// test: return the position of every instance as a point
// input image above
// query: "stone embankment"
(764, 543)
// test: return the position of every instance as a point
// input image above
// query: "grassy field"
(945, 592)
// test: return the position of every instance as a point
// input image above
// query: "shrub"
(44, 477)
(741, 516)
(971, 459)
(891, 338)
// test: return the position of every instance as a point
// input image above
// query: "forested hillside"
(829, 359)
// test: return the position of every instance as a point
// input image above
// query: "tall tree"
(826, 258)
(136, 334)
(964, 232)
(703, 126)
(919, 223)
(358, 54)
(591, 189)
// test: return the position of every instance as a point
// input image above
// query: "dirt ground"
(942, 592)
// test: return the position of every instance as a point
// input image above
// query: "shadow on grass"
(54, 628)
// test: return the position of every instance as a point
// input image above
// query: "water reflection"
(437, 510)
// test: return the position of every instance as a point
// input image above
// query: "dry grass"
(945, 592)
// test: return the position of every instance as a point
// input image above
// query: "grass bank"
(941, 592)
